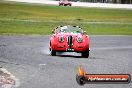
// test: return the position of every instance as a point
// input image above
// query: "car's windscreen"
(70, 30)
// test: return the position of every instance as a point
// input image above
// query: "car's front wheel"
(85, 54)
(53, 52)
(70, 5)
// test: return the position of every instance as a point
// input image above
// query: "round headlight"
(61, 39)
(79, 39)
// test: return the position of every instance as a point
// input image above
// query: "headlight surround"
(61, 39)
(79, 40)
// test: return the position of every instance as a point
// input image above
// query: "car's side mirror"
(53, 32)
(84, 32)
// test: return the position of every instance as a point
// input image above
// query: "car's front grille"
(70, 39)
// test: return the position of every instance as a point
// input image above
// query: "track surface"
(27, 57)
(79, 4)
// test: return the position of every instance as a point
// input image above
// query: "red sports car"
(64, 3)
(69, 39)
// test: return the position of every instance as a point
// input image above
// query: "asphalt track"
(27, 58)
(79, 4)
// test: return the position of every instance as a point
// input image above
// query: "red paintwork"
(56, 45)
(65, 3)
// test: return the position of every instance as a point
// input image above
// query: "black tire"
(81, 80)
(65, 5)
(53, 52)
(70, 5)
(85, 54)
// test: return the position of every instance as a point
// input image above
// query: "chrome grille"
(70, 39)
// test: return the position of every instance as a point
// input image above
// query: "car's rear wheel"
(53, 52)
(85, 54)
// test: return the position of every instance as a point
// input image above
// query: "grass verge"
(21, 18)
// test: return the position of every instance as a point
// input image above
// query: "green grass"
(21, 18)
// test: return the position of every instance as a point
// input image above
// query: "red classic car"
(64, 3)
(69, 39)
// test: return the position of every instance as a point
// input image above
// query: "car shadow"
(70, 56)
(65, 54)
